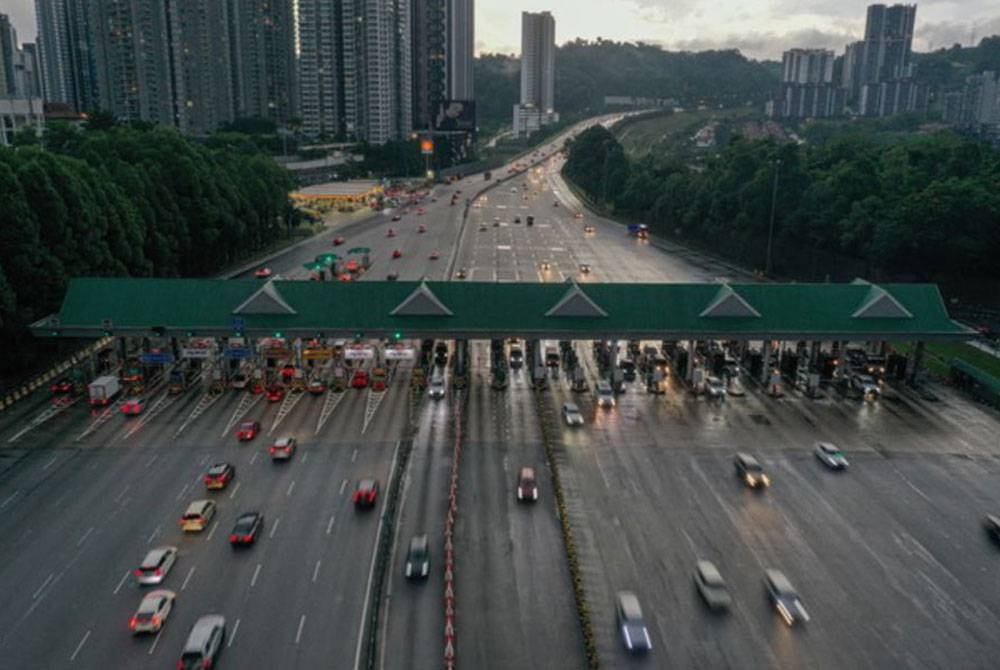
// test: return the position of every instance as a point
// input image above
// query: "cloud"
(769, 45)
(931, 36)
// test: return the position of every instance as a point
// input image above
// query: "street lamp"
(770, 230)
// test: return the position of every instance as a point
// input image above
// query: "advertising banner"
(359, 352)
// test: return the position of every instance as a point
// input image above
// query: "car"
(461, 274)
(287, 373)
(589, 230)
(418, 559)
(396, 253)
(218, 476)
(365, 493)
(496, 219)
(247, 431)
(246, 529)
(555, 204)
(338, 240)
(992, 526)
(316, 387)
(392, 276)
(437, 388)
(156, 565)
(263, 273)
(482, 228)
(830, 456)
(527, 485)
(545, 266)
(866, 386)
(631, 622)
(784, 598)
(282, 449)
(133, 406)
(152, 613)
(750, 471)
(711, 586)
(605, 394)
(735, 387)
(584, 269)
(517, 219)
(204, 643)
(197, 515)
(239, 381)
(578, 215)
(359, 379)
(396, 217)
(434, 255)
(61, 386)
(420, 211)
(390, 233)
(421, 228)
(714, 388)
(571, 414)
(275, 392)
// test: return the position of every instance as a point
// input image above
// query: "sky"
(758, 28)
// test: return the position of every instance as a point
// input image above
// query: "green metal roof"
(483, 310)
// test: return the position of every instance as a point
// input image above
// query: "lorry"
(639, 230)
(103, 390)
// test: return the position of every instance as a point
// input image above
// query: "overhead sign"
(277, 352)
(237, 353)
(158, 358)
(456, 115)
(359, 352)
(317, 354)
(399, 354)
(239, 324)
(197, 353)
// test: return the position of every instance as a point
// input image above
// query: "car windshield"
(246, 426)
(245, 522)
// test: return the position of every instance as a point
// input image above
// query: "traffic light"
(277, 334)
(397, 336)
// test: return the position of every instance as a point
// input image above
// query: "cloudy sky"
(758, 28)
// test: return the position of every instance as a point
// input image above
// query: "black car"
(247, 529)
(418, 561)
(750, 471)
(628, 370)
(992, 525)
(392, 276)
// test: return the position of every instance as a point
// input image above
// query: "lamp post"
(770, 230)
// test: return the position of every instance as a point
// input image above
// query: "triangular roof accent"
(265, 300)
(880, 304)
(859, 280)
(422, 302)
(576, 303)
(728, 302)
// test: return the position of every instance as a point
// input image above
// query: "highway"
(889, 557)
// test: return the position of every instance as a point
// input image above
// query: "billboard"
(456, 115)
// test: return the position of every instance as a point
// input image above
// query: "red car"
(435, 255)
(317, 387)
(360, 379)
(345, 277)
(133, 406)
(420, 211)
(366, 493)
(218, 476)
(421, 228)
(263, 273)
(396, 253)
(275, 392)
(61, 386)
(390, 233)
(338, 240)
(247, 431)
(287, 373)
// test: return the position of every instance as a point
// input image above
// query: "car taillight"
(158, 572)
(207, 663)
(247, 538)
(271, 450)
(232, 539)
(138, 573)
(208, 480)
(180, 665)
(156, 621)
(132, 623)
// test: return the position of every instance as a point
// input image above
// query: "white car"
(436, 389)
(714, 388)
(156, 565)
(830, 456)
(153, 611)
(418, 560)
(635, 635)
(867, 386)
(605, 394)
(736, 388)
(571, 414)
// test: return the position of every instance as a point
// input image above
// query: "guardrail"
(449, 551)
(30, 387)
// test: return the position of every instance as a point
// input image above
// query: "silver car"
(830, 456)
(418, 561)
(631, 623)
(711, 586)
(785, 599)
(156, 565)
(571, 414)
(714, 388)
(153, 611)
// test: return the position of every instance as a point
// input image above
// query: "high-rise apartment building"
(200, 65)
(977, 105)
(262, 42)
(461, 48)
(442, 44)
(807, 66)
(538, 54)
(320, 68)
(807, 89)
(9, 57)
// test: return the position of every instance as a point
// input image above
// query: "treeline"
(587, 71)
(924, 208)
(946, 69)
(124, 201)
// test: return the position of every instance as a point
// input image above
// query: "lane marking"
(187, 579)
(305, 457)
(156, 641)
(232, 494)
(329, 526)
(316, 570)
(122, 494)
(42, 587)
(343, 485)
(204, 459)
(183, 491)
(232, 636)
(274, 528)
(298, 635)
(256, 572)
(85, 536)
(354, 455)
(80, 646)
(122, 582)
(49, 464)
(155, 533)
(10, 498)
(211, 533)
(253, 458)
(152, 460)
(291, 487)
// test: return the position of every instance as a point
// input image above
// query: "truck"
(103, 390)
(639, 230)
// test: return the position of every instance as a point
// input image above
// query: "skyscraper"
(200, 64)
(262, 41)
(320, 68)
(430, 42)
(461, 47)
(9, 57)
(538, 52)
(807, 66)
(807, 89)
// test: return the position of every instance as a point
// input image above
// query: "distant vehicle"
(156, 565)
(390, 233)
(359, 380)
(631, 622)
(338, 240)
(992, 526)
(527, 485)
(555, 204)
(197, 515)
(263, 273)
(482, 227)
(605, 394)
(517, 219)
(218, 476)
(714, 388)
(584, 269)
(487, 176)
(421, 228)
(545, 266)
(830, 456)
(103, 390)
(866, 386)
(396, 253)
(639, 231)
(460, 274)
(154, 608)
(61, 386)
(589, 230)
(434, 255)
(711, 586)
(275, 392)
(392, 276)
(513, 189)
(133, 406)
(204, 643)
(366, 493)
(246, 529)
(578, 215)
(750, 471)
(239, 381)
(282, 449)
(551, 358)
(247, 431)
(628, 369)
(735, 387)
(437, 388)
(316, 387)
(418, 560)
(516, 357)
(496, 219)
(529, 220)
(571, 414)
(783, 596)
(420, 210)
(396, 217)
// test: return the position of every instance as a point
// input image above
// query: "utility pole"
(770, 230)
